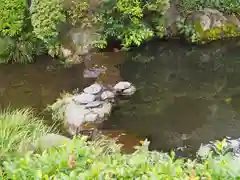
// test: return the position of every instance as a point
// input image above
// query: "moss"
(225, 31)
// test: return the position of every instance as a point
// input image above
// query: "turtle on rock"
(108, 96)
(94, 89)
(125, 88)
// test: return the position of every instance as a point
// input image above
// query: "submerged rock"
(93, 72)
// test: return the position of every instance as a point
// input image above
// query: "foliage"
(126, 20)
(189, 32)
(20, 50)
(45, 17)
(17, 127)
(58, 108)
(102, 159)
(230, 6)
(12, 15)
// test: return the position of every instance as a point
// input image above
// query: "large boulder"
(210, 24)
(77, 115)
(51, 140)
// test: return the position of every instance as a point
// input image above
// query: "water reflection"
(182, 94)
(186, 95)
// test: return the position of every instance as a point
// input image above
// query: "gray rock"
(93, 89)
(51, 140)
(83, 98)
(107, 95)
(201, 17)
(120, 86)
(94, 104)
(76, 115)
(204, 151)
(129, 91)
(27, 146)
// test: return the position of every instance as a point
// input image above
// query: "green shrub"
(16, 127)
(12, 15)
(46, 16)
(102, 159)
(126, 20)
(230, 6)
(20, 50)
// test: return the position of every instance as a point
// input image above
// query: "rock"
(232, 19)
(232, 146)
(26, 147)
(171, 17)
(77, 114)
(204, 151)
(104, 110)
(66, 52)
(83, 98)
(93, 89)
(94, 104)
(82, 39)
(51, 140)
(210, 24)
(199, 17)
(107, 95)
(129, 91)
(120, 86)
(93, 72)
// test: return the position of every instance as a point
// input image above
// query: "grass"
(19, 126)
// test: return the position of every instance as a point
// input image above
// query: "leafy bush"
(102, 159)
(46, 16)
(230, 6)
(17, 127)
(126, 20)
(20, 50)
(12, 15)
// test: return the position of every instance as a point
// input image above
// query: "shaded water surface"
(186, 95)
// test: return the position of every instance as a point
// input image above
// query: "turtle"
(106, 95)
(84, 98)
(94, 89)
(120, 86)
(129, 91)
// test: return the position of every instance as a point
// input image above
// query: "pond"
(187, 95)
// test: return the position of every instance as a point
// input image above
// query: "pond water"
(187, 95)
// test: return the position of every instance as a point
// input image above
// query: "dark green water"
(186, 95)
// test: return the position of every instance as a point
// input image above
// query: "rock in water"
(93, 72)
(94, 104)
(51, 140)
(120, 86)
(129, 91)
(107, 95)
(77, 114)
(93, 89)
(83, 98)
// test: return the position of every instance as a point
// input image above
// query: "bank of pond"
(30, 149)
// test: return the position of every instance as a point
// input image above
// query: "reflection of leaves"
(143, 59)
